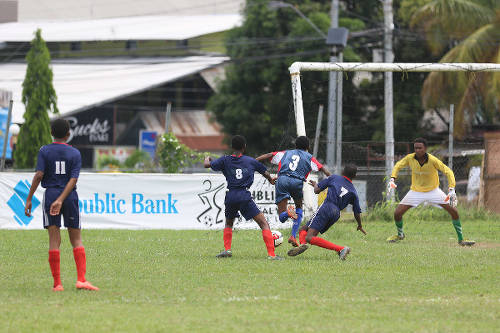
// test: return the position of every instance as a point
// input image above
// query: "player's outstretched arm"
(264, 157)
(317, 190)
(55, 207)
(358, 219)
(326, 171)
(270, 178)
(37, 178)
(206, 162)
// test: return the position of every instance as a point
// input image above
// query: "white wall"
(30, 10)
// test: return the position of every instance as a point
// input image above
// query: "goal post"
(298, 67)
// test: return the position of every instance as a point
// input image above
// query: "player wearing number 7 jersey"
(293, 168)
(57, 168)
(239, 171)
(341, 192)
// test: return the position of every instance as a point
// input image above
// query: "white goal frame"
(297, 67)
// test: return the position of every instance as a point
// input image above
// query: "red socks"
(302, 236)
(268, 239)
(325, 244)
(55, 266)
(228, 237)
(81, 262)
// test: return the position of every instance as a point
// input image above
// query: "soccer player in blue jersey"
(293, 168)
(57, 168)
(341, 192)
(239, 172)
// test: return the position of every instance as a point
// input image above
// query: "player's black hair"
(420, 140)
(59, 128)
(302, 142)
(350, 171)
(238, 142)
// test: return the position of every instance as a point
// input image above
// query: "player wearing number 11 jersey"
(239, 171)
(293, 168)
(57, 168)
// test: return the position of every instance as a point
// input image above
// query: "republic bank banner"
(138, 201)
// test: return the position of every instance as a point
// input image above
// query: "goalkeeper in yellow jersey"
(425, 188)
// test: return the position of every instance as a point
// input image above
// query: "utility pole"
(332, 95)
(388, 89)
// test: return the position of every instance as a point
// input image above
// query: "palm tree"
(472, 29)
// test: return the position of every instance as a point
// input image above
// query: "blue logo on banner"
(17, 203)
(147, 142)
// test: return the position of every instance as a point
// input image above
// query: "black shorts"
(70, 209)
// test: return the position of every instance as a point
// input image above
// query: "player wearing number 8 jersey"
(58, 167)
(293, 168)
(239, 172)
(341, 192)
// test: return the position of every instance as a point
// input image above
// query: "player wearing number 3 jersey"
(293, 168)
(239, 171)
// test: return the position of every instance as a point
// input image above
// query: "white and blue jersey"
(341, 192)
(239, 172)
(293, 168)
(59, 163)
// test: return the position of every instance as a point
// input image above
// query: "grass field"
(170, 281)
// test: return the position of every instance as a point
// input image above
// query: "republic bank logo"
(17, 203)
(213, 212)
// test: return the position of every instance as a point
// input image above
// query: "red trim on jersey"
(60, 143)
(315, 161)
(347, 178)
(238, 155)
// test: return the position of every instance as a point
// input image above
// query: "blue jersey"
(341, 192)
(238, 170)
(296, 163)
(59, 162)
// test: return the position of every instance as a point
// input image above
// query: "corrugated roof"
(123, 28)
(81, 85)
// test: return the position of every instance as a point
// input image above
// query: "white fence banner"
(138, 201)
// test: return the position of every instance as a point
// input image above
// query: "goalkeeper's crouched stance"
(425, 188)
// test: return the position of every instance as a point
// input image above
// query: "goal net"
(367, 131)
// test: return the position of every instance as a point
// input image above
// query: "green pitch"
(170, 281)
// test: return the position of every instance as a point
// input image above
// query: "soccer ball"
(277, 237)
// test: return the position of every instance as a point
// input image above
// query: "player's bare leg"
(54, 256)
(228, 238)
(267, 236)
(398, 220)
(455, 218)
(75, 237)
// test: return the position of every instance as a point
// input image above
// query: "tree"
(469, 30)
(39, 97)
(173, 156)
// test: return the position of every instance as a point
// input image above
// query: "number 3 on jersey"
(239, 173)
(60, 167)
(294, 163)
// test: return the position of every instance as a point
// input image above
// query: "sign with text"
(147, 142)
(93, 127)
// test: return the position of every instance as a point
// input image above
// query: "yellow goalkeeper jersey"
(424, 178)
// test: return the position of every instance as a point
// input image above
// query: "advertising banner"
(4, 112)
(138, 201)
(91, 128)
(147, 142)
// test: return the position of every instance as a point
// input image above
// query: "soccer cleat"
(85, 285)
(293, 241)
(395, 238)
(59, 287)
(225, 254)
(290, 210)
(298, 250)
(466, 242)
(275, 258)
(344, 252)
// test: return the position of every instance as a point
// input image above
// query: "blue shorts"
(70, 209)
(240, 200)
(287, 187)
(324, 217)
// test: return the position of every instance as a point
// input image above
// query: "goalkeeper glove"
(391, 185)
(452, 197)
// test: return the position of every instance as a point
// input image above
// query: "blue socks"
(283, 217)
(296, 223)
